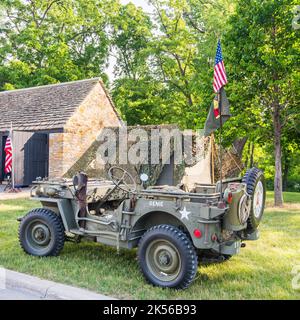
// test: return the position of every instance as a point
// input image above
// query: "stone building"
(53, 126)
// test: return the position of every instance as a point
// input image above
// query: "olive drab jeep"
(173, 229)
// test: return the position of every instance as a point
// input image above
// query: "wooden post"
(13, 157)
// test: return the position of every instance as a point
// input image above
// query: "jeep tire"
(256, 188)
(167, 257)
(41, 233)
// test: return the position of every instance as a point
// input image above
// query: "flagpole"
(212, 158)
(220, 80)
(13, 158)
(220, 143)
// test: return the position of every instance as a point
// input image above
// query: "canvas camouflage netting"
(195, 169)
(92, 164)
(231, 163)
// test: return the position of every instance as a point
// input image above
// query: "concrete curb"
(48, 289)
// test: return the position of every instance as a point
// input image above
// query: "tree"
(156, 64)
(263, 49)
(165, 61)
(290, 148)
(135, 91)
(52, 41)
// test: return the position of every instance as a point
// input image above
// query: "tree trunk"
(239, 145)
(278, 199)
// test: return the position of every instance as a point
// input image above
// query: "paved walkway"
(20, 286)
(13, 294)
(4, 195)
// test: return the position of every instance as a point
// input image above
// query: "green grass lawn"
(288, 197)
(261, 271)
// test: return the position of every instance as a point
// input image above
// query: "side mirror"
(144, 177)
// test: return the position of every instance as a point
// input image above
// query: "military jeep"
(172, 228)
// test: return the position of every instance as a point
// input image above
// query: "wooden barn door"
(2, 156)
(31, 156)
(36, 157)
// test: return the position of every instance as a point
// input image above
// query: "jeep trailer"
(172, 229)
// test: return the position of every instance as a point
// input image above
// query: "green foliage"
(46, 42)
(263, 56)
(167, 69)
(164, 61)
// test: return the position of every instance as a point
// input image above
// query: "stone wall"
(55, 154)
(80, 131)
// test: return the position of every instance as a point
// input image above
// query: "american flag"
(220, 78)
(8, 155)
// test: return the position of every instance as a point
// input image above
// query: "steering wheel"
(122, 179)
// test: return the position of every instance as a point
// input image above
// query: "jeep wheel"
(167, 257)
(256, 188)
(41, 233)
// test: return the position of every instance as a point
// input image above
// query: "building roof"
(45, 107)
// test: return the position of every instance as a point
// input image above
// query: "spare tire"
(256, 188)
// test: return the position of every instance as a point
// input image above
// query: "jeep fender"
(152, 218)
(62, 207)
